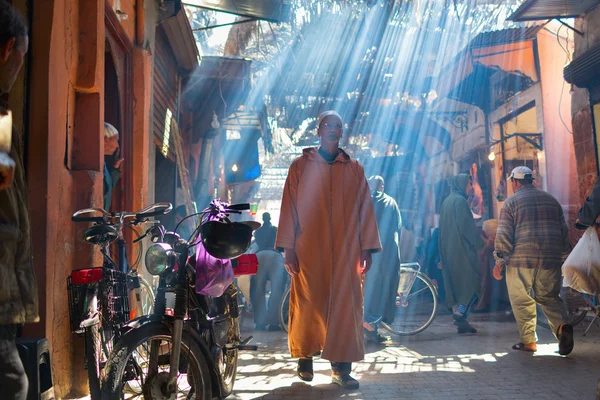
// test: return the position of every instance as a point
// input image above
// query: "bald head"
(376, 183)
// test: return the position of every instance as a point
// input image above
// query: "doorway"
(112, 115)
(165, 186)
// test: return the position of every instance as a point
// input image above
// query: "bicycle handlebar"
(147, 212)
(238, 207)
(104, 218)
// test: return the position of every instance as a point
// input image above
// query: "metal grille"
(113, 299)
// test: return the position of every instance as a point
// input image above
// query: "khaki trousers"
(545, 287)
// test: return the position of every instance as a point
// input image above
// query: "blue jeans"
(13, 380)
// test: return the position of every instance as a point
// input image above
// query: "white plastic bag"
(581, 271)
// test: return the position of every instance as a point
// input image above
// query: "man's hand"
(365, 261)
(439, 265)
(118, 159)
(7, 171)
(498, 268)
(290, 261)
(580, 226)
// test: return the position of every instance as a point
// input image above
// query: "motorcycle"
(193, 348)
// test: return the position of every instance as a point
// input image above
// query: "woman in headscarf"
(459, 244)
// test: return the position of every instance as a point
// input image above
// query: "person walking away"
(328, 231)
(381, 282)
(112, 170)
(434, 264)
(18, 286)
(531, 243)
(486, 263)
(271, 269)
(459, 244)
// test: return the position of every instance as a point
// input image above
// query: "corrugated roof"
(269, 10)
(532, 10)
(505, 36)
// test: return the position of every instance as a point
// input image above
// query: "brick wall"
(583, 133)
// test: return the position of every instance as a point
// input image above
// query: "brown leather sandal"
(305, 369)
(531, 347)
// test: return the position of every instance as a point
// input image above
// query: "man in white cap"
(328, 230)
(532, 242)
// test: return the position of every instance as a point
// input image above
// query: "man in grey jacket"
(18, 287)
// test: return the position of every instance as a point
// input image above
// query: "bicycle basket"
(113, 296)
(408, 275)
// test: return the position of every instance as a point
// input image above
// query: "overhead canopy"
(219, 84)
(269, 10)
(532, 10)
(584, 71)
(181, 39)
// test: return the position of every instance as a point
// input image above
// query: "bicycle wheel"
(130, 362)
(575, 305)
(284, 309)
(415, 308)
(93, 356)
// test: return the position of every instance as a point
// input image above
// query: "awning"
(241, 120)
(584, 71)
(182, 41)
(269, 10)
(505, 54)
(532, 10)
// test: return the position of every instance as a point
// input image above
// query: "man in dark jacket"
(18, 287)
(589, 212)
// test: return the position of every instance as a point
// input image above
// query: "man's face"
(469, 188)
(514, 184)
(111, 145)
(330, 131)
(12, 54)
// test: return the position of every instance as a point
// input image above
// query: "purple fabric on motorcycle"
(213, 275)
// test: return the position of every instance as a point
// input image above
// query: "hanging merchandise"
(501, 188)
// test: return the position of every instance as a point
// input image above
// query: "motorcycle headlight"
(157, 258)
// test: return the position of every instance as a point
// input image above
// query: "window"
(167, 133)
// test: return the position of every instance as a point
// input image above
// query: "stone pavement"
(436, 364)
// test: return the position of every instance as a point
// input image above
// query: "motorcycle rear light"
(85, 276)
(247, 264)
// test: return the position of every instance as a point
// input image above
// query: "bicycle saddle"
(100, 234)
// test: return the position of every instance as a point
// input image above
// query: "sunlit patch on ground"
(436, 364)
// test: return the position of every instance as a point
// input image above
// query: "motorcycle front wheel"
(141, 359)
(227, 359)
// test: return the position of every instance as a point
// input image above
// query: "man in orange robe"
(328, 230)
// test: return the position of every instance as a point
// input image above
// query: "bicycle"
(577, 306)
(415, 304)
(99, 296)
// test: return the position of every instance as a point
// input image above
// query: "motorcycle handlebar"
(238, 207)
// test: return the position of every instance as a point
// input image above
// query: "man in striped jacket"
(532, 241)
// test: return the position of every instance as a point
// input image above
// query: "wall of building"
(465, 139)
(65, 137)
(561, 169)
(583, 134)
